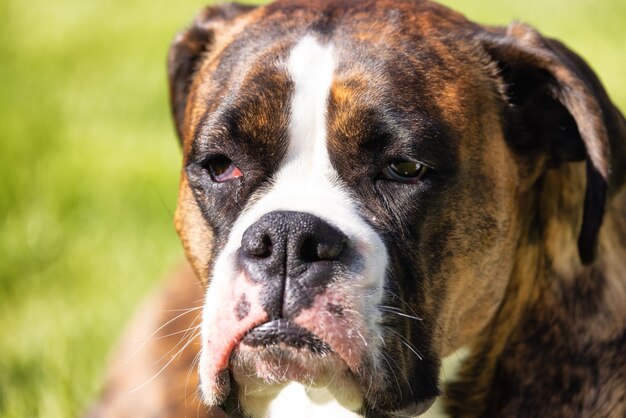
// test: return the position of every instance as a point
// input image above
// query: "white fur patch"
(311, 67)
(297, 401)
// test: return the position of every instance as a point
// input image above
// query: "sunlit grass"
(89, 165)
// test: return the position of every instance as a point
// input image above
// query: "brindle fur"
(498, 254)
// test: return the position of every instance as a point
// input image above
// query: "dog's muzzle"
(288, 314)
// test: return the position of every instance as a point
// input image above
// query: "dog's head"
(358, 178)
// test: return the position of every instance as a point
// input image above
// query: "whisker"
(362, 337)
(383, 340)
(185, 309)
(403, 375)
(400, 313)
(407, 343)
(160, 337)
(164, 367)
(332, 379)
(189, 331)
(404, 303)
(411, 348)
(180, 341)
(156, 331)
(448, 340)
(395, 377)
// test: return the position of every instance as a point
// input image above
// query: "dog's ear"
(556, 104)
(188, 48)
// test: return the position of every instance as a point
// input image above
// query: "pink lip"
(342, 329)
(239, 312)
(344, 333)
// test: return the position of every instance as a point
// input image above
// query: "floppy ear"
(557, 105)
(188, 48)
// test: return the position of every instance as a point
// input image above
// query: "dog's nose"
(293, 255)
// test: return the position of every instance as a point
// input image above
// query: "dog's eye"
(222, 168)
(405, 171)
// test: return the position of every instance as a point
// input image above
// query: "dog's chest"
(295, 400)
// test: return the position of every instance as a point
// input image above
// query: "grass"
(89, 165)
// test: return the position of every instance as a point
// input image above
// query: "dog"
(391, 211)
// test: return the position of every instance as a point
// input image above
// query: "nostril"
(330, 250)
(309, 249)
(265, 248)
(313, 249)
(258, 246)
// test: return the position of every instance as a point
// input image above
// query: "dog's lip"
(284, 331)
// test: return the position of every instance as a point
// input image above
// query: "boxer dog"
(371, 189)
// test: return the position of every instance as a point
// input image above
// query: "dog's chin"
(280, 364)
(280, 351)
(275, 354)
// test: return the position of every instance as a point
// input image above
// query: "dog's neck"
(557, 317)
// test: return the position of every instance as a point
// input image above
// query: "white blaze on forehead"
(311, 67)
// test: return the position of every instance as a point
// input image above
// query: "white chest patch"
(297, 401)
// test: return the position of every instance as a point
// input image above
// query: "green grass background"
(89, 165)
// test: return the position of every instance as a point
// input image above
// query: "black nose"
(294, 255)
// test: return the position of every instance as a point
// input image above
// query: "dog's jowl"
(372, 189)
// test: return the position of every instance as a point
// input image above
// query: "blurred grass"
(89, 165)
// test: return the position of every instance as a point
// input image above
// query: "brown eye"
(405, 171)
(222, 168)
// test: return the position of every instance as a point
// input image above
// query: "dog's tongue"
(226, 323)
